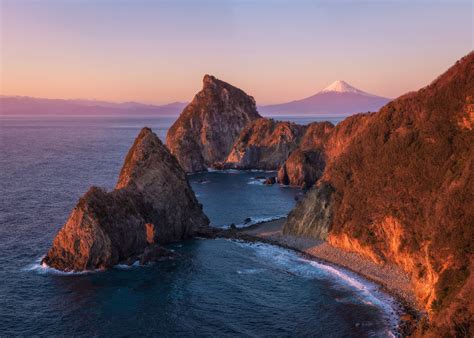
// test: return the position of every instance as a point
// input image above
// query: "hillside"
(402, 191)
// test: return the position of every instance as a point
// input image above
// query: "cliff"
(207, 128)
(321, 144)
(306, 163)
(264, 144)
(152, 204)
(401, 190)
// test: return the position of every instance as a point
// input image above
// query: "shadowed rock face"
(306, 164)
(264, 144)
(403, 187)
(152, 204)
(207, 128)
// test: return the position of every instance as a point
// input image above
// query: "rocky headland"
(398, 189)
(152, 204)
(208, 127)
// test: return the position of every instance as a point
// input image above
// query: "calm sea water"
(214, 287)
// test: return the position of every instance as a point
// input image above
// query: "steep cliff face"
(403, 193)
(306, 164)
(207, 128)
(152, 204)
(264, 144)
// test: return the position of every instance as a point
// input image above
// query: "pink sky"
(157, 52)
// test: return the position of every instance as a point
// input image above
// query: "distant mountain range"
(24, 105)
(339, 98)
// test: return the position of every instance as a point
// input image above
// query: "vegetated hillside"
(403, 191)
(207, 128)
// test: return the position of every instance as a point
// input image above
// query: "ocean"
(213, 288)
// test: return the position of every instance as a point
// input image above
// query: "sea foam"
(367, 292)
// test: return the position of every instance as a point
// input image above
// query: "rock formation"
(401, 190)
(264, 144)
(152, 204)
(207, 128)
(306, 164)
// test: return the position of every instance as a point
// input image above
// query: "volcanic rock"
(207, 128)
(152, 204)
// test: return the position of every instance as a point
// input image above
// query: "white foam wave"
(365, 291)
(44, 269)
(256, 182)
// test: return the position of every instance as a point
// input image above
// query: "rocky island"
(207, 128)
(152, 204)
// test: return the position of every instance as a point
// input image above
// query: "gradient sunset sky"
(158, 51)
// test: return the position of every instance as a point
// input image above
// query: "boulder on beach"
(152, 204)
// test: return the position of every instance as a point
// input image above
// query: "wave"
(45, 269)
(366, 292)
(254, 181)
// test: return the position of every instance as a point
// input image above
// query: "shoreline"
(389, 278)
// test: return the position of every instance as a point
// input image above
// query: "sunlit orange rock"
(152, 203)
(207, 128)
(399, 188)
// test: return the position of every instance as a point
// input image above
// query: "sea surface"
(213, 288)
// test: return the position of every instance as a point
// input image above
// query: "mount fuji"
(339, 98)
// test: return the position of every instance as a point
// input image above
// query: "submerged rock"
(270, 181)
(207, 128)
(152, 204)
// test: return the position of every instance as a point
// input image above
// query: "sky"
(280, 50)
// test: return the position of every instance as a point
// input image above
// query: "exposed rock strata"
(207, 128)
(403, 193)
(264, 144)
(152, 204)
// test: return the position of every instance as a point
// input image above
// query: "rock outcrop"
(152, 204)
(306, 164)
(207, 128)
(320, 146)
(264, 144)
(401, 190)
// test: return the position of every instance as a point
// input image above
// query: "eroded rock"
(152, 204)
(207, 128)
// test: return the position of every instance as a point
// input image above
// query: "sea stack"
(152, 204)
(207, 128)
(400, 190)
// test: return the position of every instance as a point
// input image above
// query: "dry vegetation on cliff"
(403, 193)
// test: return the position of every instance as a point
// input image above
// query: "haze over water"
(214, 287)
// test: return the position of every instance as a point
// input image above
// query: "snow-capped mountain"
(339, 98)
